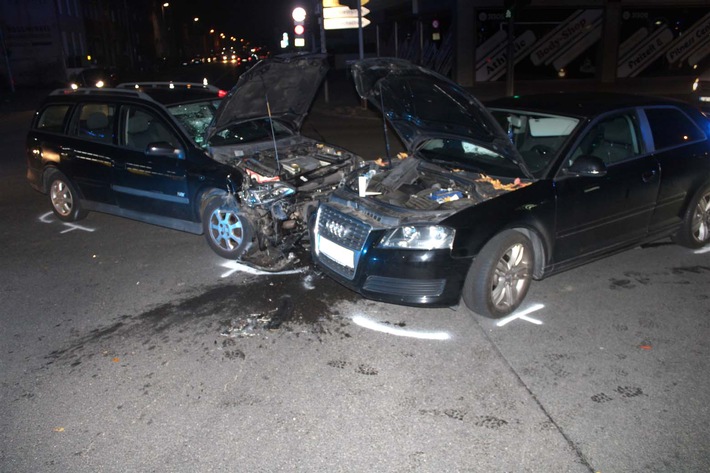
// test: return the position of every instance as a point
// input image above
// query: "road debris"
(251, 324)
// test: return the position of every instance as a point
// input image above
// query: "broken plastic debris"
(250, 325)
(58, 429)
(116, 359)
(646, 347)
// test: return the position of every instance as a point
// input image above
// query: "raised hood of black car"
(421, 105)
(282, 87)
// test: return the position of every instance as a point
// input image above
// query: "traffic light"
(299, 27)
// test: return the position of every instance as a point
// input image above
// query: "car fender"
(529, 210)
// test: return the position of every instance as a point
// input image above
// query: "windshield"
(195, 117)
(538, 137)
(455, 153)
(250, 131)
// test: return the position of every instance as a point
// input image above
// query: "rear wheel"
(695, 229)
(499, 278)
(64, 198)
(228, 232)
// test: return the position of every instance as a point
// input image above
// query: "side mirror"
(163, 148)
(587, 166)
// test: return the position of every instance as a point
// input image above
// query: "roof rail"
(102, 91)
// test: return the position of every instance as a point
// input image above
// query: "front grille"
(345, 231)
(353, 234)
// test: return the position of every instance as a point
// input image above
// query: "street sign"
(343, 23)
(343, 12)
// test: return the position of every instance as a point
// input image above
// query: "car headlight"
(268, 193)
(430, 237)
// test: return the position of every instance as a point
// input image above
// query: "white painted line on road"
(523, 315)
(702, 250)
(400, 332)
(234, 267)
(73, 226)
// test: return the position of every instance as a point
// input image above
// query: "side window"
(96, 122)
(52, 118)
(670, 127)
(612, 139)
(143, 127)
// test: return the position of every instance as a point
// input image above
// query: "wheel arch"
(539, 249)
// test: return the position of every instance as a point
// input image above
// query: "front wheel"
(64, 198)
(499, 277)
(228, 232)
(695, 229)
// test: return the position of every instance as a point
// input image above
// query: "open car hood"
(422, 105)
(288, 82)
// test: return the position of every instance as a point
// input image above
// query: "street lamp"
(165, 34)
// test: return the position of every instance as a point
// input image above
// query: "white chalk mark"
(45, 218)
(73, 226)
(523, 315)
(400, 332)
(234, 267)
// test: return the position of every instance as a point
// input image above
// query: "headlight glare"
(412, 237)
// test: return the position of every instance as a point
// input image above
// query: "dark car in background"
(489, 198)
(96, 77)
(193, 158)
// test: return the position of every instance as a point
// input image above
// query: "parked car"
(94, 77)
(489, 198)
(233, 168)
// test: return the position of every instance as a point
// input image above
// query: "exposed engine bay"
(415, 184)
(282, 186)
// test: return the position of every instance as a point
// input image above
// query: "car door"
(597, 214)
(150, 176)
(87, 154)
(679, 147)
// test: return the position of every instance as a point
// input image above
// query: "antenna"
(273, 135)
(384, 128)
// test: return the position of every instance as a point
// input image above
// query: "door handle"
(648, 176)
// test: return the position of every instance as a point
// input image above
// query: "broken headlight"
(411, 237)
(268, 193)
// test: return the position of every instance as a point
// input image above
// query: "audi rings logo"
(336, 229)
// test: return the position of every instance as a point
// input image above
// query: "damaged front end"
(281, 188)
(256, 130)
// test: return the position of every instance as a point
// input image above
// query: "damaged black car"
(185, 156)
(487, 199)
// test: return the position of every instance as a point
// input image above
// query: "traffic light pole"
(510, 61)
(359, 29)
(323, 50)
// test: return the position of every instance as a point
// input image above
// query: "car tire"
(694, 232)
(64, 198)
(228, 232)
(500, 275)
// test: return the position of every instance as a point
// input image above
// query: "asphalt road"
(128, 347)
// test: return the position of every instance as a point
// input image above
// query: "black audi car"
(489, 198)
(232, 166)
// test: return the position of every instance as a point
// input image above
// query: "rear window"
(671, 127)
(52, 118)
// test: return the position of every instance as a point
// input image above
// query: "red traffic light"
(299, 30)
